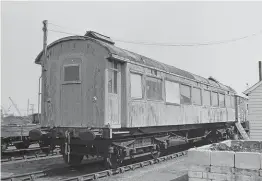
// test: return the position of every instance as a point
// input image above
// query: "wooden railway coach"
(103, 100)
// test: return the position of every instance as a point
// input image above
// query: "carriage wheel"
(114, 160)
(22, 145)
(4, 146)
(156, 152)
(42, 146)
(74, 160)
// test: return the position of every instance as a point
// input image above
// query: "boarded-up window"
(154, 88)
(136, 85)
(228, 101)
(214, 99)
(185, 92)
(232, 101)
(207, 98)
(172, 92)
(221, 100)
(196, 96)
(71, 73)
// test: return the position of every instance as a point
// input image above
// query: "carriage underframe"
(116, 145)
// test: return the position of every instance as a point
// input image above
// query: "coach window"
(214, 99)
(232, 101)
(71, 73)
(185, 94)
(196, 96)
(221, 100)
(172, 92)
(228, 101)
(136, 86)
(112, 77)
(207, 98)
(154, 88)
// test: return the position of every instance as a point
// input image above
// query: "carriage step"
(242, 131)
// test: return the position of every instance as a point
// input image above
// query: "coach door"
(71, 93)
(114, 94)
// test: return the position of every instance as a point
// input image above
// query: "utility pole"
(32, 108)
(27, 107)
(44, 76)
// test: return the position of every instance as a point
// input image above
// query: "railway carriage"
(98, 99)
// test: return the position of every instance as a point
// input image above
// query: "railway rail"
(96, 175)
(31, 154)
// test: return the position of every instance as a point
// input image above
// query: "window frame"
(79, 73)
(182, 84)
(201, 97)
(172, 103)
(146, 95)
(113, 70)
(142, 87)
(224, 106)
(212, 99)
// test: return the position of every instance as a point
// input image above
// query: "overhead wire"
(164, 44)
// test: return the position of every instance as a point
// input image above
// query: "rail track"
(10, 156)
(89, 172)
(100, 174)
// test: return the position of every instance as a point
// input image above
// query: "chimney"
(260, 70)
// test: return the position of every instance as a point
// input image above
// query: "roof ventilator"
(100, 37)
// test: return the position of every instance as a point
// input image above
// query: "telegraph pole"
(44, 69)
(27, 107)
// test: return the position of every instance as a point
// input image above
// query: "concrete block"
(223, 170)
(198, 179)
(248, 160)
(199, 157)
(222, 158)
(199, 168)
(240, 171)
(217, 176)
(244, 178)
(193, 174)
(251, 144)
(205, 175)
(258, 178)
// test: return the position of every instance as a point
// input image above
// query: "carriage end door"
(113, 101)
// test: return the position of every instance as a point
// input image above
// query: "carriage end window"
(71, 73)
(185, 94)
(172, 92)
(136, 86)
(154, 88)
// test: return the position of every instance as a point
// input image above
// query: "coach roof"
(134, 57)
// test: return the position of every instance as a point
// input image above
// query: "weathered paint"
(87, 113)
(151, 113)
(89, 104)
(143, 113)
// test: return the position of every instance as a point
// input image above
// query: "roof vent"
(100, 37)
(213, 79)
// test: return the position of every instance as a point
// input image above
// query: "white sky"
(233, 64)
